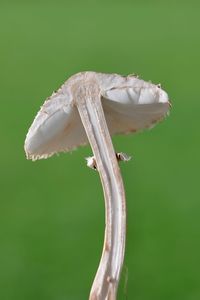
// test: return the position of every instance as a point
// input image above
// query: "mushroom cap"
(129, 103)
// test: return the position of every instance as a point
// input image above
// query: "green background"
(52, 211)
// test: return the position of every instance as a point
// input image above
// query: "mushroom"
(90, 107)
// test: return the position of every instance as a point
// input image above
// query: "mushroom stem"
(88, 101)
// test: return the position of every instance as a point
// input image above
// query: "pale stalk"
(88, 101)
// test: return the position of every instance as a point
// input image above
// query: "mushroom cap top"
(129, 103)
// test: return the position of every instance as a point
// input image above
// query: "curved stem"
(88, 101)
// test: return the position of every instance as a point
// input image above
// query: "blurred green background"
(52, 211)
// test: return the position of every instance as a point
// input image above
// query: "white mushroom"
(89, 107)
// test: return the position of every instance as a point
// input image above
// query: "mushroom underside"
(61, 131)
